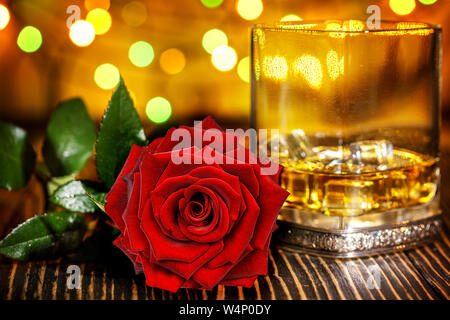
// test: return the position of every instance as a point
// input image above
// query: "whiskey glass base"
(348, 237)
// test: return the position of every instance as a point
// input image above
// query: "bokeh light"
(243, 69)
(333, 65)
(172, 61)
(29, 39)
(141, 54)
(134, 13)
(4, 17)
(428, 2)
(402, 7)
(94, 4)
(100, 19)
(224, 58)
(291, 17)
(249, 9)
(106, 76)
(158, 109)
(214, 38)
(211, 3)
(82, 33)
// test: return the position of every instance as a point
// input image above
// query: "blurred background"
(165, 51)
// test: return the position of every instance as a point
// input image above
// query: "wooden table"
(421, 273)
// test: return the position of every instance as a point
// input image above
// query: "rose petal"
(157, 276)
(117, 198)
(167, 217)
(244, 282)
(164, 247)
(119, 243)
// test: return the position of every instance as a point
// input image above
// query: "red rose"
(195, 225)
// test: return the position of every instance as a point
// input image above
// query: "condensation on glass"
(358, 119)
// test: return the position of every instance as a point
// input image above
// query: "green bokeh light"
(29, 39)
(158, 110)
(427, 2)
(141, 54)
(211, 3)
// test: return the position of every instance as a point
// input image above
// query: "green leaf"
(55, 182)
(44, 236)
(119, 130)
(70, 138)
(17, 157)
(73, 196)
(98, 198)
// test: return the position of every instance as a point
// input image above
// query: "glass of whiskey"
(353, 115)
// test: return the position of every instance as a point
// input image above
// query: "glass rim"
(281, 26)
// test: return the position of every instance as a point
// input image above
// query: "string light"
(141, 54)
(29, 39)
(291, 17)
(249, 9)
(172, 61)
(94, 4)
(4, 17)
(402, 7)
(106, 76)
(82, 33)
(158, 110)
(134, 13)
(243, 69)
(211, 3)
(428, 2)
(224, 58)
(214, 38)
(100, 19)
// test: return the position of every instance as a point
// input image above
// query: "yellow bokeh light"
(82, 33)
(311, 70)
(333, 65)
(141, 54)
(172, 61)
(224, 58)
(94, 4)
(291, 17)
(214, 38)
(100, 19)
(249, 9)
(402, 7)
(134, 13)
(106, 76)
(348, 25)
(341, 65)
(275, 68)
(243, 69)
(4, 17)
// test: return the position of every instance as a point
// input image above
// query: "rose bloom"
(195, 225)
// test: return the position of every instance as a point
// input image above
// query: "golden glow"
(4, 17)
(172, 61)
(348, 25)
(249, 9)
(333, 65)
(214, 38)
(100, 19)
(134, 13)
(407, 26)
(299, 26)
(106, 76)
(342, 66)
(224, 58)
(427, 2)
(291, 17)
(141, 54)
(311, 69)
(275, 68)
(82, 33)
(243, 69)
(94, 4)
(402, 7)
(158, 110)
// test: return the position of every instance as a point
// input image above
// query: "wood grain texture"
(421, 274)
